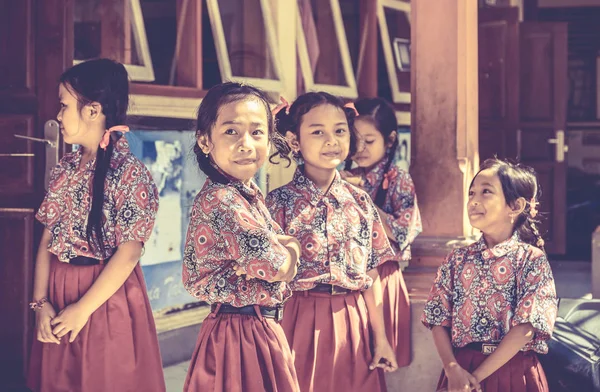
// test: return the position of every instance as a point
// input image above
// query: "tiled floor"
(572, 281)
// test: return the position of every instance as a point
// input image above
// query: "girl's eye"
(230, 132)
(369, 141)
(471, 193)
(62, 105)
(317, 132)
(487, 191)
(258, 132)
(341, 130)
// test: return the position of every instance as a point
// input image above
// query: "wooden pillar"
(444, 80)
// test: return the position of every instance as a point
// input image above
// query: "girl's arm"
(458, 378)
(382, 350)
(45, 314)
(74, 317)
(42, 267)
(510, 345)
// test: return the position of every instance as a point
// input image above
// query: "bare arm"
(74, 317)
(382, 349)
(510, 345)
(42, 267)
(458, 378)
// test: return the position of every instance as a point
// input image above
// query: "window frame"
(388, 52)
(349, 91)
(216, 23)
(137, 73)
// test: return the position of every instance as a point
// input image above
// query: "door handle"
(51, 139)
(561, 147)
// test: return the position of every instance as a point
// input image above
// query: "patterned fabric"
(230, 225)
(340, 232)
(481, 293)
(400, 206)
(130, 204)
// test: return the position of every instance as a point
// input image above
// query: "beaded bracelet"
(35, 306)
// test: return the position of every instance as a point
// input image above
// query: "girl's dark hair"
(106, 82)
(381, 114)
(208, 111)
(305, 103)
(519, 181)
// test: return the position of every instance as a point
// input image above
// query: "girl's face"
(371, 144)
(239, 140)
(324, 137)
(72, 126)
(487, 207)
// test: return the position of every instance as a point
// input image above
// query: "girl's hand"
(43, 317)
(384, 357)
(459, 380)
(352, 179)
(71, 319)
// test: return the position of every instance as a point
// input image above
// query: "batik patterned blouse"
(340, 232)
(231, 226)
(130, 204)
(481, 293)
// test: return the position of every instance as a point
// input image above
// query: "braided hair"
(106, 82)
(519, 181)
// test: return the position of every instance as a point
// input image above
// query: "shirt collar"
(375, 175)
(499, 250)
(310, 190)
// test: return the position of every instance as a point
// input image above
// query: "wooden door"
(34, 38)
(498, 82)
(542, 126)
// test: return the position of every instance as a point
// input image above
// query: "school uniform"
(480, 294)
(402, 215)
(117, 350)
(326, 321)
(241, 345)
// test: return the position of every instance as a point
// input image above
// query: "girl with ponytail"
(393, 192)
(94, 325)
(493, 304)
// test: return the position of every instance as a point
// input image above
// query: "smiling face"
(487, 207)
(238, 142)
(324, 137)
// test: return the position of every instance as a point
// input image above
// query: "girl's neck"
(320, 176)
(494, 238)
(89, 148)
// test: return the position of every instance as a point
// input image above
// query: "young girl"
(393, 192)
(343, 241)
(95, 330)
(493, 304)
(236, 258)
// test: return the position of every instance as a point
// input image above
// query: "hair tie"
(284, 104)
(386, 180)
(106, 138)
(350, 105)
(533, 207)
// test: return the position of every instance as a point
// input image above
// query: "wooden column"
(444, 77)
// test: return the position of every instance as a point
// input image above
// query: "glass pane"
(399, 35)
(321, 42)
(246, 38)
(351, 17)
(105, 29)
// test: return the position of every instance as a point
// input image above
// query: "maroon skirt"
(523, 373)
(396, 310)
(329, 338)
(117, 350)
(238, 352)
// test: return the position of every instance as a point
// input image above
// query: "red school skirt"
(523, 373)
(117, 350)
(241, 353)
(330, 342)
(396, 310)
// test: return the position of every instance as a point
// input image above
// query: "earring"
(206, 154)
(512, 219)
